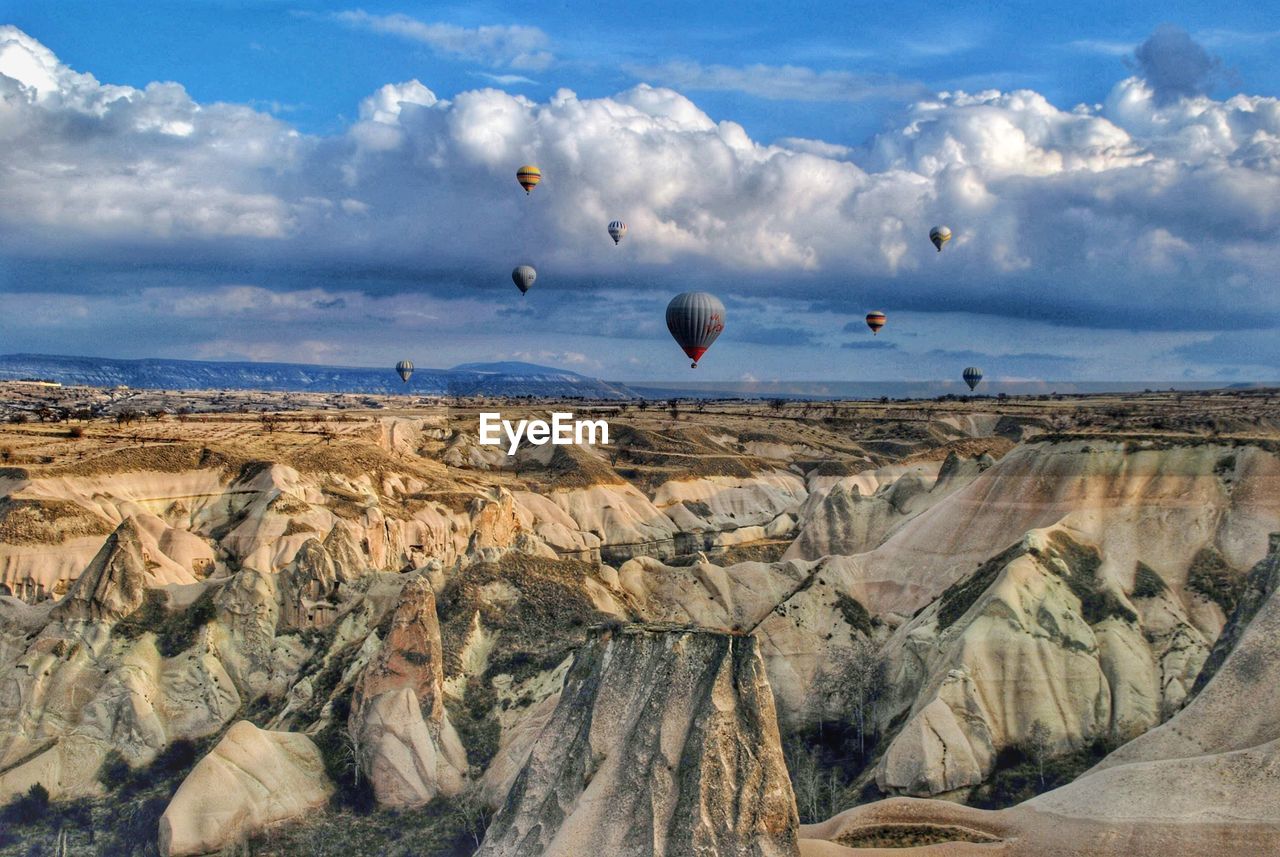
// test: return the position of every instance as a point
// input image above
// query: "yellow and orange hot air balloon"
(528, 176)
(875, 321)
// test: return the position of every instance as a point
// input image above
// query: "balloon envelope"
(940, 235)
(875, 321)
(404, 369)
(528, 176)
(972, 376)
(695, 319)
(617, 229)
(523, 276)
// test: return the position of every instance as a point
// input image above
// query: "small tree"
(1039, 746)
(860, 677)
(472, 813)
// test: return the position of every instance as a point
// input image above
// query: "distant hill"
(512, 367)
(471, 379)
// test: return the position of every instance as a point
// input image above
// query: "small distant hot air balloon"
(695, 319)
(940, 235)
(875, 321)
(972, 376)
(404, 369)
(523, 276)
(617, 229)
(528, 176)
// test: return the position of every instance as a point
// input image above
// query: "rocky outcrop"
(1035, 635)
(849, 523)
(114, 583)
(251, 779)
(407, 746)
(664, 742)
(1236, 709)
(248, 614)
(1221, 803)
(309, 588)
(1159, 505)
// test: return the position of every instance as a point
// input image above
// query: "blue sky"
(331, 183)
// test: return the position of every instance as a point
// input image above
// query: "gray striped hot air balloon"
(973, 377)
(695, 319)
(523, 276)
(405, 370)
(940, 235)
(617, 229)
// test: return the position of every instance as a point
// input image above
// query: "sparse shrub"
(1147, 583)
(28, 809)
(963, 594)
(1021, 773)
(354, 792)
(476, 724)
(1211, 577)
(18, 418)
(175, 632)
(75, 432)
(855, 615)
(115, 772)
(179, 756)
(1083, 561)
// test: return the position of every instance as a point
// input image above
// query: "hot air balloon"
(940, 235)
(523, 276)
(404, 369)
(972, 376)
(695, 319)
(617, 229)
(875, 321)
(528, 176)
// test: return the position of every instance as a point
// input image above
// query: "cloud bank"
(1157, 209)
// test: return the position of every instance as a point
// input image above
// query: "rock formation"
(408, 748)
(664, 742)
(249, 780)
(113, 584)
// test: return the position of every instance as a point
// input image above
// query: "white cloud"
(512, 46)
(504, 79)
(781, 83)
(1134, 211)
(1103, 46)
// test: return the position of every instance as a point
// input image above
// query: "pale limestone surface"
(251, 778)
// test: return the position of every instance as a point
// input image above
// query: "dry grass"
(30, 522)
(910, 836)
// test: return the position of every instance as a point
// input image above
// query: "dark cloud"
(969, 354)
(870, 345)
(1175, 65)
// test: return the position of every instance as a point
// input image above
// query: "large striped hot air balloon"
(617, 229)
(973, 377)
(875, 321)
(404, 369)
(528, 176)
(940, 235)
(695, 319)
(523, 276)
